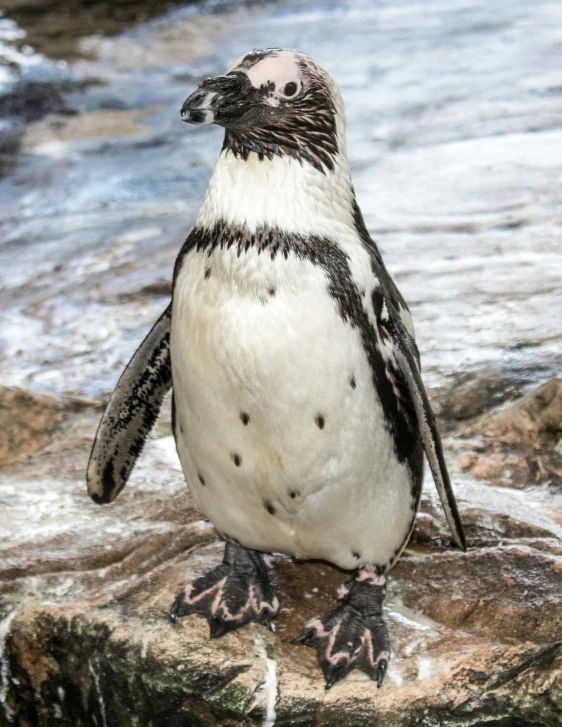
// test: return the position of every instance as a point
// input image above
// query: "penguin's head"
(273, 102)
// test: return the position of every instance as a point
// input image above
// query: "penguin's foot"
(234, 593)
(354, 635)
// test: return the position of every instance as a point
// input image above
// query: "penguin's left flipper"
(404, 350)
(131, 413)
(236, 592)
(353, 635)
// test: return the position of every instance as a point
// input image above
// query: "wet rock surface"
(85, 594)
(57, 30)
(454, 137)
(520, 444)
(28, 420)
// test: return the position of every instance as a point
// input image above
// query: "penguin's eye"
(289, 90)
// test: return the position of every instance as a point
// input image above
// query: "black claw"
(266, 621)
(175, 611)
(336, 673)
(381, 671)
(304, 637)
(218, 627)
(216, 632)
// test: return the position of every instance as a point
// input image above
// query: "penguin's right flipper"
(131, 413)
(405, 356)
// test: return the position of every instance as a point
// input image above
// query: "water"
(455, 140)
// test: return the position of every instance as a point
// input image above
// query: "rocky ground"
(455, 120)
(86, 590)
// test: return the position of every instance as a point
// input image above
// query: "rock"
(28, 420)
(528, 422)
(468, 394)
(472, 644)
(58, 34)
(499, 593)
(500, 468)
(520, 444)
(57, 129)
(85, 591)
(484, 527)
(158, 289)
(30, 87)
(466, 460)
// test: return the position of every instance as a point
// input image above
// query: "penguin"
(299, 413)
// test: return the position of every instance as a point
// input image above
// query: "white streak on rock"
(144, 648)
(395, 675)
(424, 667)
(97, 685)
(269, 684)
(5, 625)
(271, 691)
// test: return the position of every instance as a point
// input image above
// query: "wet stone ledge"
(85, 592)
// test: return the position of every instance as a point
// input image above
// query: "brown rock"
(507, 592)
(498, 467)
(29, 420)
(466, 460)
(483, 528)
(481, 637)
(519, 445)
(467, 395)
(85, 591)
(531, 422)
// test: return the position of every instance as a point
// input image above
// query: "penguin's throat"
(280, 192)
(318, 150)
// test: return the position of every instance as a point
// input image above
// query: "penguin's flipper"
(404, 349)
(131, 413)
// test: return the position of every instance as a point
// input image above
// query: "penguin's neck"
(281, 193)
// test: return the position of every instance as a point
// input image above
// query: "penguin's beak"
(222, 100)
(198, 108)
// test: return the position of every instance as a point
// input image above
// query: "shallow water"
(455, 139)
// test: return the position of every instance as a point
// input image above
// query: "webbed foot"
(354, 635)
(234, 593)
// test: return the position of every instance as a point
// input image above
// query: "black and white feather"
(131, 413)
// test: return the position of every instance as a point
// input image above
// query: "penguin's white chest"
(279, 428)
